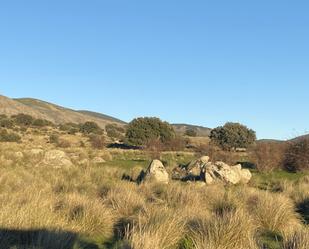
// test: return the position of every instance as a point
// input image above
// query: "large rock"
(220, 171)
(98, 160)
(57, 159)
(156, 172)
(195, 167)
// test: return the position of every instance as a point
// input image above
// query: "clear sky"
(201, 62)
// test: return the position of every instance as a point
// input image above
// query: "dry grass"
(157, 228)
(230, 230)
(55, 207)
(298, 240)
(273, 212)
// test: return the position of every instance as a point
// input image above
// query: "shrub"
(70, 128)
(97, 141)
(6, 123)
(114, 131)
(142, 130)
(54, 138)
(232, 136)
(177, 143)
(217, 154)
(23, 119)
(268, 156)
(6, 136)
(91, 128)
(41, 123)
(191, 133)
(297, 156)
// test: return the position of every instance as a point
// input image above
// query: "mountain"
(200, 130)
(56, 114)
(306, 136)
(102, 116)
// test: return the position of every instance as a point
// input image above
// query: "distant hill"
(200, 130)
(102, 116)
(56, 114)
(299, 138)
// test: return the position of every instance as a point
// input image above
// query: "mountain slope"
(101, 116)
(56, 114)
(200, 130)
(11, 107)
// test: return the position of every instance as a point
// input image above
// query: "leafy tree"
(232, 136)
(143, 130)
(114, 131)
(91, 128)
(191, 132)
(23, 119)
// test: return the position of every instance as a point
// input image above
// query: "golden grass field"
(87, 205)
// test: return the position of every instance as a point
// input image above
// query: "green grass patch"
(269, 240)
(127, 164)
(269, 180)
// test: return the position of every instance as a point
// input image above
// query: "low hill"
(58, 114)
(200, 130)
(54, 113)
(102, 116)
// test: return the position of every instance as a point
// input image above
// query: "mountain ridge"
(59, 114)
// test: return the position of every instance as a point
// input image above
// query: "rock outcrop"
(220, 171)
(156, 172)
(56, 159)
(204, 170)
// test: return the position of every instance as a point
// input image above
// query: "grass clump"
(6, 136)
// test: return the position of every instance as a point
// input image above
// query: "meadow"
(65, 189)
(90, 206)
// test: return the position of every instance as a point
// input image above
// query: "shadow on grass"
(303, 210)
(123, 146)
(43, 239)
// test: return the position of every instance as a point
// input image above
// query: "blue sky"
(200, 62)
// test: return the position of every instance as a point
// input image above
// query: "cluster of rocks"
(199, 170)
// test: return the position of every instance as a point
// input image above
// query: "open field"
(87, 205)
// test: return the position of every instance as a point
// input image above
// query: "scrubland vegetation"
(95, 202)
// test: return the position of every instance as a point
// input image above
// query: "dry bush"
(232, 230)
(297, 155)
(177, 143)
(157, 228)
(268, 156)
(217, 154)
(154, 148)
(97, 141)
